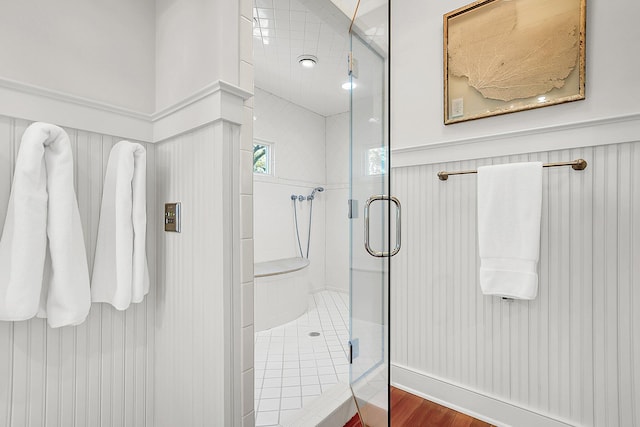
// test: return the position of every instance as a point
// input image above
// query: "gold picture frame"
(503, 56)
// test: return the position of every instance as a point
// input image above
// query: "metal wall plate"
(172, 217)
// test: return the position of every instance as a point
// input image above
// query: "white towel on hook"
(120, 272)
(509, 214)
(43, 205)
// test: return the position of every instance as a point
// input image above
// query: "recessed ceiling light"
(349, 85)
(307, 61)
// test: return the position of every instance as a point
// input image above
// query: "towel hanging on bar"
(120, 272)
(509, 215)
(51, 283)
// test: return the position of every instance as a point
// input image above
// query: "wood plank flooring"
(408, 410)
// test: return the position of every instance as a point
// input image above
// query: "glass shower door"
(372, 233)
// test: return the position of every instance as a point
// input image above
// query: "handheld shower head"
(313, 193)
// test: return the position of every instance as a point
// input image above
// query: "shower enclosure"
(330, 147)
(374, 215)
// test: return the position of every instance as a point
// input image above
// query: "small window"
(263, 158)
(377, 161)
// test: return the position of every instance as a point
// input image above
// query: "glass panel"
(369, 324)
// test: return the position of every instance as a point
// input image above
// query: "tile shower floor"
(293, 365)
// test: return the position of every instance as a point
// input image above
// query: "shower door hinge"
(354, 349)
(353, 65)
(353, 208)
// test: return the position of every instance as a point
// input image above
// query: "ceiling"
(284, 30)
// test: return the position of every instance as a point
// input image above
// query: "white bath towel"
(509, 213)
(120, 272)
(43, 205)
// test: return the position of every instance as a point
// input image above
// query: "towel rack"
(578, 165)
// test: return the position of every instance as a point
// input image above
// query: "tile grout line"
(324, 315)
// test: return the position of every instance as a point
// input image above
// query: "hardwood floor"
(408, 410)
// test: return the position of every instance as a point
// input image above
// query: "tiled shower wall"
(336, 196)
(100, 372)
(298, 137)
(573, 352)
(310, 150)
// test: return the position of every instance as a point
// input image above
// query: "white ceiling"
(371, 20)
(284, 30)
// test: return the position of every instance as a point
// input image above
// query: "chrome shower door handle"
(367, 246)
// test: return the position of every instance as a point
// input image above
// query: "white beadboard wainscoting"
(572, 355)
(112, 370)
(197, 367)
(100, 372)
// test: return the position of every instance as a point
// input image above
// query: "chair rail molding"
(218, 100)
(588, 133)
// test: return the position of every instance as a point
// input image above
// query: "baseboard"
(487, 408)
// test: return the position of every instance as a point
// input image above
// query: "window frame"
(270, 157)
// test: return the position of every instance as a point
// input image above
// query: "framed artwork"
(502, 56)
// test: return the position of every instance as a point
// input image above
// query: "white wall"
(62, 63)
(82, 48)
(299, 136)
(567, 356)
(205, 298)
(299, 146)
(612, 88)
(192, 39)
(85, 55)
(337, 196)
(245, 404)
(97, 373)
(310, 150)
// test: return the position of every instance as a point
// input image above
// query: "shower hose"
(295, 215)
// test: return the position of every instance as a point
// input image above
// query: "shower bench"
(281, 291)
(279, 266)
